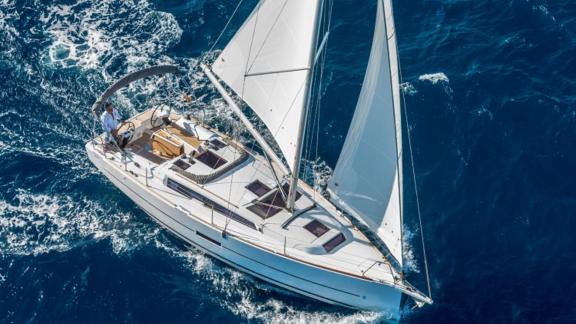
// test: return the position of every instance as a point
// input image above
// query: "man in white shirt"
(110, 120)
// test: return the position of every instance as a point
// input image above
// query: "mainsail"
(367, 180)
(268, 64)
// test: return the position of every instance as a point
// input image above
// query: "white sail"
(268, 62)
(367, 180)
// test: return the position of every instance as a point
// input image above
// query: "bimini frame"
(126, 80)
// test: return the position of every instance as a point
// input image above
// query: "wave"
(238, 293)
(98, 35)
(32, 224)
(8, 33)
(438, 79)
(434, 77)
(410, 259)
(408, 88)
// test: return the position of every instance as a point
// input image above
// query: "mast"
(304, 115)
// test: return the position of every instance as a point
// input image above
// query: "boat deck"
(224, 184)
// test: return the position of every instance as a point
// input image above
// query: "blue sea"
(490, 89)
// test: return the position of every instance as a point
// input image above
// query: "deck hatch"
(272, 204)
(334, 242)
(269, 206)
(286, 188)
(264, 211)
(258, 188)
(182, 164)
(317, 228)
(208, 202)
(217, 144)
(211, 159)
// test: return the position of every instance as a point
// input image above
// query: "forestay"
(367, 180)
(268, 62)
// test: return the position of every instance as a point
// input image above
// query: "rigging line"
(234, 137)
(253, 144)
(266, 37)
(226, 26)
(315, 114)
(250, 50)
(317, 83)
(308, 139)
(290, 109)
(310, 129)
(414, 181)
(205, 55)
(314, 126)
(278, 182)
(323, 62)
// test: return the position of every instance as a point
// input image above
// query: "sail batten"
(367, 179)
(268, 64)
(277, 71)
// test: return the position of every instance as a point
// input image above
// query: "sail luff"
(395, 75)
(367, 179)
(390, 32)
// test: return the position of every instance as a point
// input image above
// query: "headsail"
(268, 63)
(367, 180)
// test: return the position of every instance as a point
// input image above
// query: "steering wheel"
(129, 130)
(159, 113)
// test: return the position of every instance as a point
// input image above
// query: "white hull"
(310, 280)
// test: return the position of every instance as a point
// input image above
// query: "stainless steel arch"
(126, 80)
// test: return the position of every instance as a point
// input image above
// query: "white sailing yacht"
(247, 207)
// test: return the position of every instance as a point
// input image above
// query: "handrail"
(260, 244)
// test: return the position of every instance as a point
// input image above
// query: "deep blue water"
(490, 94)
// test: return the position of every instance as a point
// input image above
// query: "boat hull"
(309, 280)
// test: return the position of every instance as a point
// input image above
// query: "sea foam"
(434, 77)
(90, 35)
